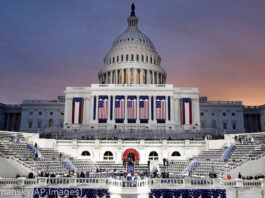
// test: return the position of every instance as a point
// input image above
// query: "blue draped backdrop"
(187, 193)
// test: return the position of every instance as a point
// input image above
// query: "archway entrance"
(130, 155)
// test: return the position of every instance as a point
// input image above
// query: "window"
(175, 154)
(234, 126)
(113, 60)
(213, 124)
(30, 124)
(202, 114)
(61, 123)
(146, 59)
(121, 58)
(151, 60)
(31, 113)
(142, 58)
(39, 124)
(153, 156)
(85, 153)
(132, 57)
(137, 57)
(127, 57)
(233, 114)
(224, 126)
(108, 155)
(224, 114)
(213, 114)
(50, 123)
(40, 113)
(117, 59)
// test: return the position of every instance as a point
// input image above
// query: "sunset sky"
(217, 46)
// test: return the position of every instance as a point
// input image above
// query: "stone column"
(157, 78)
(141, 76)
(150, 118)
(116, 76)
(86, 111)
(129, 75)
(177, 111)
(135, 76)
(196, 111)
(171, 109)
(153, 76)
(137, 107)
(111, 73)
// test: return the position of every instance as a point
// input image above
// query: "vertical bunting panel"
(152, 108)
(131, 109)
(144, 109)
(168, 108)
(94, 111)
(186, 111)
(111, 107)
(119, 109)
(103, 109)
(77, 110)
(161, 109)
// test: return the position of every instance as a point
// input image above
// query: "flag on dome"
(119, 107)
(77, 111)
(103, 108)
(132, 108)
(144, 108)
(186, 111)
(161, 108)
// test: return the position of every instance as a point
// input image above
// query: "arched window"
(137, 57)
(127, 57)
(121, 58)
(142, 58)
(146, 59)
(85, 153)
(117, 59)
(153, 156)
(30, 124)
(50, 123)
(132, 57)
(175, 154)
(151, 60)
(113, 60)
(108, 155)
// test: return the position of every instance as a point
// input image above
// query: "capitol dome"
(132, 58)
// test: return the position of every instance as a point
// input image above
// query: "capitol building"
(132, 135)
(132, 92)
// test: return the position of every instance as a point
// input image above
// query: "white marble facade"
(173, 118)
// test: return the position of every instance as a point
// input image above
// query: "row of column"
(88, 110)
(132, 76)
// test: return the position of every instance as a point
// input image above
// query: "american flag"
(160, 108)
(132, 108)
(119, 108)
(103, 108)
(186, 111)
(144, 108)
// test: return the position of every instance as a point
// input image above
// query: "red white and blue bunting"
(186, 111)
(77, 110)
